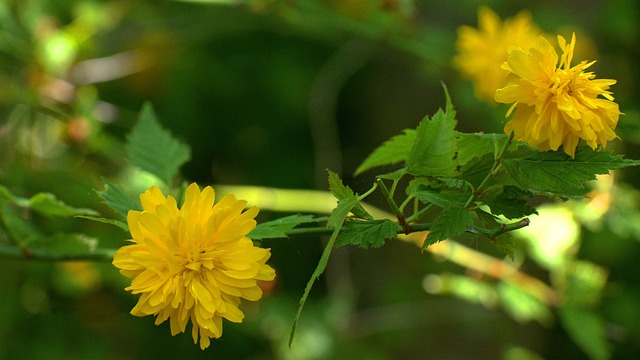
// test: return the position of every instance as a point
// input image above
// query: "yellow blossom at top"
(193, 263)
(556, 104)
(482, 51)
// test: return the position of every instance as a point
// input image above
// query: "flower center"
(190, 259)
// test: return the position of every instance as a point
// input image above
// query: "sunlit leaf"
(45, 204)
(341, 191)
(392, 151)
(557, 172)
(471, 146)
(154, 149)
(104, 220)
(117, 199)
(48, 204)
(278, 228)
(367, 234)
(434, 150)
(336, 219)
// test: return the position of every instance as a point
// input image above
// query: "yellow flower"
(193, 263)
(482, 51)
(556, 104)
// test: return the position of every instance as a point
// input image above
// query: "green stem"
(387, 196)
(418, 214)
(26, 253)
(494, 170)
(106, 255)
(494, 233)
(394, 207)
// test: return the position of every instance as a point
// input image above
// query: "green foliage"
(117, 199)
(556, 172)
(472, 146)
(367, 234)
(335, 221)
(278, 228)
(341, 191)
(154, 149)
(45, 204)
(434, 149)
(454, 220)
(393, 151)
(508, 201)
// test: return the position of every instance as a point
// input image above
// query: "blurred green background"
(272, 93)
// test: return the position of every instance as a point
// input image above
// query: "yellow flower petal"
(556, 104)
(194, 263)
(482, 52)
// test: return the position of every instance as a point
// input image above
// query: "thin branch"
(25, 253)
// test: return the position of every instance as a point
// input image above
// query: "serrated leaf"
(340, 213)
(392, 151)
(341, 191)
(394, 175)
(506, 244)
(437, 193)
(367, 233)
(587, 330)
(452, 221)
(434, 149)
(117, 199)
(153, 149)
(278, 228)
(556, 172)
(48, 204)
(471, 146)
(104, 220)
(510, 202)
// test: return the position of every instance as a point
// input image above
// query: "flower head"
(482, 51)
(556, 104)
(194, 263)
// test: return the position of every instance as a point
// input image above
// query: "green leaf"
(154, 149)
(452, 221)
(65, 244)
(48, 204)
(278, 228)
(340, 213)
(117, 199)
(506, 244)
(471, 146)
(392, 151)
(434, 149)
(45, 204)
(394, 175)
(336, 219)
(438, 192)
(104, 220)
(21, 231)
(587, 330)
(510, 202)
(367, 233)
(556, 172)
(341, 191)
